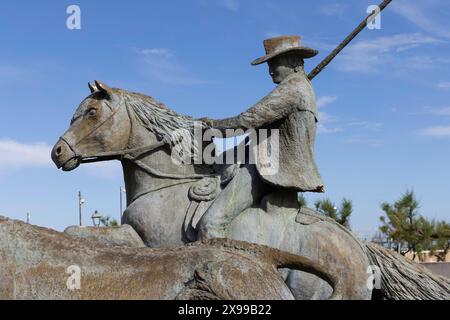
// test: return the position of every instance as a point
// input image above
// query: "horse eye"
(92, 112)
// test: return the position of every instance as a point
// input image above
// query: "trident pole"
(347, 40)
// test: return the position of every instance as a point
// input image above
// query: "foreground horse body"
(39, 263)
(117, 124)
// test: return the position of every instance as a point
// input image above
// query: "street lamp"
(96, 218)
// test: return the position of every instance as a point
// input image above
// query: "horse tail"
(403, 279)
(283, 259)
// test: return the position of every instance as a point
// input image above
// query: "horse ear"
(92, 87)
(102, 87)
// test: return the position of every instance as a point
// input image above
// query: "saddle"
(203, 193)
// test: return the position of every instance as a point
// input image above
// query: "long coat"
(291, 108)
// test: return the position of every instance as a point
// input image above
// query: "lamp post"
(122, 190)
(96, 219)
(80, 205)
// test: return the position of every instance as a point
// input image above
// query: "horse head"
(99, 125)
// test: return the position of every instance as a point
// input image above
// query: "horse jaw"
(71, 164)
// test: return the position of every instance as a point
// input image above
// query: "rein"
(119, 155)
(131, 154)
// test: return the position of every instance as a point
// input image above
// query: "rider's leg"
(243, 191)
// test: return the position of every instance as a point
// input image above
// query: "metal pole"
(346, 41)
(80, 204)
(120, 191)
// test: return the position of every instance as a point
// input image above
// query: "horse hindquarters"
(332, 246)
(318, 239)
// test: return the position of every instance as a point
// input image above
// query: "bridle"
(131, 154)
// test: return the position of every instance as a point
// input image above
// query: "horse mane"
(155, 116)
(162, 121)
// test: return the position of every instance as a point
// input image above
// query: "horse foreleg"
(243, 191)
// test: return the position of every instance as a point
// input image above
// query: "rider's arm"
(273, 107)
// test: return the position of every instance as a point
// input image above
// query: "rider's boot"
(242, 192)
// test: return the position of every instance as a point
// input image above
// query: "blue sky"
(384, 102)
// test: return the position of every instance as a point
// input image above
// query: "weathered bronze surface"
(170, 204)
(35, 261)
(164, 205)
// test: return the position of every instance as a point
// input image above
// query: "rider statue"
(290, 108)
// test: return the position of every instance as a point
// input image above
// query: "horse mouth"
(71, 164)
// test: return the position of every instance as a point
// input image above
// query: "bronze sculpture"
(35, 260)
(172, 203)
(166, 200)
(290, 108)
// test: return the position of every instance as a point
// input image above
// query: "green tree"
(401, 222)
(404, 224)
(302, 200)
(108, 222)
(441, 239)
(341, 214)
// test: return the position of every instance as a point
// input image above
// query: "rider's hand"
(209, 122)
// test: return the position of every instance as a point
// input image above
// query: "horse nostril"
(58, 151)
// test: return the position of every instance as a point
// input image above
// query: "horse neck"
(138, 181)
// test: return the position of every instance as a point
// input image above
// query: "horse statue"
(166, 199)
(39, 263)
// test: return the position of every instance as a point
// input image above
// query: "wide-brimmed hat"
(282, 45)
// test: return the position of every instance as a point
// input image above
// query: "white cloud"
(444, 111)
(325, 124)
(438, 131)
(332, 10)
(370, 56)
(10, 71)
(163, 52)
(14, 154)
(419, 13)
(108, 170)
(232, 5)
(331, 124)
(371, 126)
(17, 155)
(325, 100)
(443, 85)
(321, 128)
(161, 65)
(23, 72)
(365, 141)
(440, 111)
